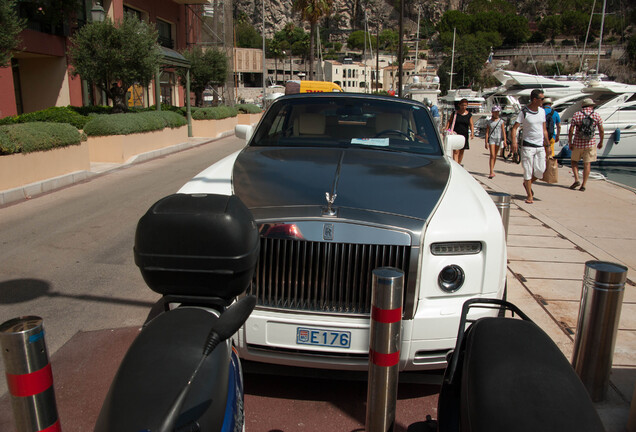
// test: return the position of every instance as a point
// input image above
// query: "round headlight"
(451, 278)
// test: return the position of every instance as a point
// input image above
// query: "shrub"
(214, 113)
(36, 136)
(248, 109)
(94, 109)
(53, 114)
(130, 123)
(172, 119)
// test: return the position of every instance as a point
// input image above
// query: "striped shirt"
(579, 141)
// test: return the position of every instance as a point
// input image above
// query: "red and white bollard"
(29, 375)
(384, 348)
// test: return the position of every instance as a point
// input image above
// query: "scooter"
(181, 373)
(506, 374)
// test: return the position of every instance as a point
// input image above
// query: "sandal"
(575, 185)
(582, 189)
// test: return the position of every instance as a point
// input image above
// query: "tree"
(389, 40)
(503, 6)
(551, 26)
(247, 36)
(292, 41)
(114, 57)
(207, 68)
(312, 11)
(514, 29)
(10, 27)
(631, 50)
(357, 39)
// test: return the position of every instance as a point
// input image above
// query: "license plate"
(323, 337)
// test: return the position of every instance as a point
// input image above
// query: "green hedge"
(214, 113)
(36, 136)
(53, 114)
(248, 108)
(130, 123)
(92, 109)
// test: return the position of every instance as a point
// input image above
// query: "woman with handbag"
(495, 137)
(461, 123)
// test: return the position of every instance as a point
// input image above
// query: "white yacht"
(422, 87)
(475, 100)
(520, 85)
(616, 103)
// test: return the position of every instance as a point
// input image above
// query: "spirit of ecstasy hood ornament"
(330, 199)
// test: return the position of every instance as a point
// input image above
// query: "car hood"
(398, 183)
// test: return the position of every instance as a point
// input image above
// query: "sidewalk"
(30, 190)
(548, 244)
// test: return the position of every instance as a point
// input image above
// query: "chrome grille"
(322, 276)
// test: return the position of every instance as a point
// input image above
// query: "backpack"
(550, 123)
(588, 127)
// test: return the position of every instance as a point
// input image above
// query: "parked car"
(340, 184)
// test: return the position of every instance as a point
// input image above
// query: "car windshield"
(372, 122)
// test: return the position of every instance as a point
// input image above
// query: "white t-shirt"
(532, 125)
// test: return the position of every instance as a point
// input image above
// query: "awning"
(171, 57)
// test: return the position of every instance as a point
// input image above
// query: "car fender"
(216, 179)
(486, 271)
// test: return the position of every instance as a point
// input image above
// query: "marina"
(549, 243)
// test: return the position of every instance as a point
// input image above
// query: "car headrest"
(311, 124)
(384, 121)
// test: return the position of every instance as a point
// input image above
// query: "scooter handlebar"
(230, 322)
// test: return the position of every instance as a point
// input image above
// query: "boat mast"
(600, 39)
(417, 38)
(450, 87)
(587, 35)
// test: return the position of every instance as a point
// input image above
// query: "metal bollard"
(384, 348)
(599, 313)
(29, 375)
(502, 202)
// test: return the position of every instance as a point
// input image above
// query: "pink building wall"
(49, 81)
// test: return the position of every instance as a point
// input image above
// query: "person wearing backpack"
(581, 139)
(552, 124)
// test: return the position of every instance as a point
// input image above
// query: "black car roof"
(347, 96)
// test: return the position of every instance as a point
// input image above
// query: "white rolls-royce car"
(341, 184)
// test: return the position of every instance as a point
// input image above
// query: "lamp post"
(264, 66)
(98, 14)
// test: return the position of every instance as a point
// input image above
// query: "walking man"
(535, 138)
(583, 128)
(552, 124)
(437, 119)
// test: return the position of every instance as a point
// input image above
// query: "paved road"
(67, 256)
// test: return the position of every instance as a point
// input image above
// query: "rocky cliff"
(346, 14)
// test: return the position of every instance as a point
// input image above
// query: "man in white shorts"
(535, 138)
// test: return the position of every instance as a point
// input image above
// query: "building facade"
(40, 75)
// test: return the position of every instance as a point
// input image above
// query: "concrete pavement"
(549, 242)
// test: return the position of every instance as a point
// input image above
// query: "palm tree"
(312, 11)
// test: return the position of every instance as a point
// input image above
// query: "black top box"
(197, 245)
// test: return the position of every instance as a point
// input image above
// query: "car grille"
(322, 276)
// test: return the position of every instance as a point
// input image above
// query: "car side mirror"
(453, 142)
(243, 131)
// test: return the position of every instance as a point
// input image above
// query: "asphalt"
(549, 243)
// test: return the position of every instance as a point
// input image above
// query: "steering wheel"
(393, 131)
